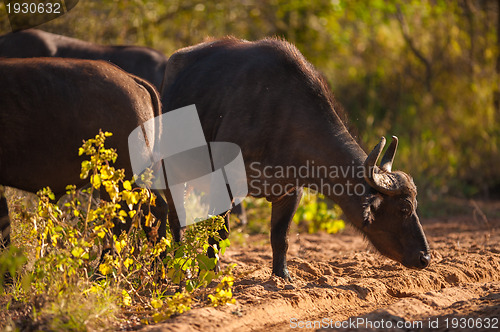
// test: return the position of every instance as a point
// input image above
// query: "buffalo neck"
(336, 162)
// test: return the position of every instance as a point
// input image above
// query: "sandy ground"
(341, 284)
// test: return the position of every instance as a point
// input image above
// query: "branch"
(406, 35)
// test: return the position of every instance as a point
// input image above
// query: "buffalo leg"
(160, 212)
(4, 222)
(158, 232)
(4, 232)
(174, 220)
(177, 227)
(153, 235)
(281, 217)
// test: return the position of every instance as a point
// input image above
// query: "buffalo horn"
(382, 181)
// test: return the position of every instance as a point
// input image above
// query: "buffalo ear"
(371, 205)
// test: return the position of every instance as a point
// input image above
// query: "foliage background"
(426, 71)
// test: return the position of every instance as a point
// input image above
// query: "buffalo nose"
(425, 260)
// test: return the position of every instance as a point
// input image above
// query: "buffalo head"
(390, 217)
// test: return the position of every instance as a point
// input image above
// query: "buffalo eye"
(407, 209)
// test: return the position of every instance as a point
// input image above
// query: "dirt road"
(341, 284)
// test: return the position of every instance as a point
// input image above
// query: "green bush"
(78, 290)
(314, 215)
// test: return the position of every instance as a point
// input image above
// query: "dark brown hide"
(265, 97)
(49, 106)
(144, 62)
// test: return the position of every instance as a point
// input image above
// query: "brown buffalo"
(265, 97)
(144, 62)
(48, 106)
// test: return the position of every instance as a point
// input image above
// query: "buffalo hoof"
(283, 273)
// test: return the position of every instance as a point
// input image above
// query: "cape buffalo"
(48, 106)
(265, 97)
(144, 62)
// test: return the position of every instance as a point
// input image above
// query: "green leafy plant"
(314, 215)
(11, 262)
(72, 264)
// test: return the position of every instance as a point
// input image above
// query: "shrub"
(314, 215)
(73, 287)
